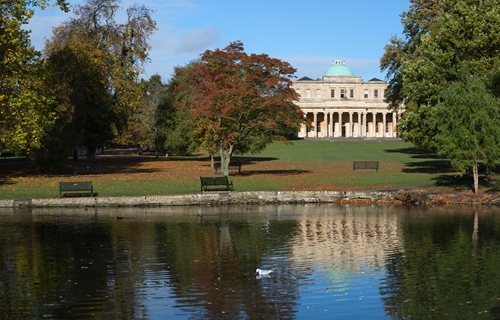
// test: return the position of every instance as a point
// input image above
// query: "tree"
(25, 100)
(469, 126)
(141, 128)
(96, 63)
(175, 127)
(242, 102)
(86, 112)
(444, 39)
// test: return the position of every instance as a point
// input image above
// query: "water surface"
(331, 262)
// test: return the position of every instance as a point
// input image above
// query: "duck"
(263, 272)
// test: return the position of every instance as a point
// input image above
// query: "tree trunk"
(476, 177)
(90, 153)
(212, 162)
(225, 157)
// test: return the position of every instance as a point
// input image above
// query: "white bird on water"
(262, 272)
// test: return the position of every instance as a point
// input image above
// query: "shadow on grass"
(251, 160)
(453, 181)
(415, 153)
(117, 163)
(14, 168)
(410, 150)
(466, 182)
(131, 164)
(429, 166)
(245, 173)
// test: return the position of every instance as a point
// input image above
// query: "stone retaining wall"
(212, 198)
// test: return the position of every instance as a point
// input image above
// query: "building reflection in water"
(345, 239)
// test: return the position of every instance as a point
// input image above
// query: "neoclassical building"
(340, 104)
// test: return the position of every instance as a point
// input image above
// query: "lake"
(327, 262)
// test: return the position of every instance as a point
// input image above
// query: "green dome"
(338, 68)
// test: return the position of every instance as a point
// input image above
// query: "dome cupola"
(338, 68)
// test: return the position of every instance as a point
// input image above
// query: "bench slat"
(75, 187)
(232, 164)
(214, 183)
(365, 165)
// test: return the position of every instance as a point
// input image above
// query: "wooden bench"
(232, 164)
(365, 165)
(94, 169)
(79, 187)
(216, 183)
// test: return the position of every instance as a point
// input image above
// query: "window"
(351, 94)
(366, 94)
(318, 93)
(298, 91)
(375, 94)
(332, 93)
(308, 94)
(342, 94)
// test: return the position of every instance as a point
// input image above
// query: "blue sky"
(307, 34)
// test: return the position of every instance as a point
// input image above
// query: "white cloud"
(198, 40)
(172, 46)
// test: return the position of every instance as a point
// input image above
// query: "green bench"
(232, 164)
(216, 184)
(365, 165)
(76, 187)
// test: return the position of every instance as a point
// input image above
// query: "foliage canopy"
(242, 102)
(25, 100)
(444, 40)
(175, 127)
(96, 62)
(469, 126)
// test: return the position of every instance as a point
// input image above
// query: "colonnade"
(355, 124)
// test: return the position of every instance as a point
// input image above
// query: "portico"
(349, 124)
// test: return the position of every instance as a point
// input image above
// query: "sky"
(308, 35)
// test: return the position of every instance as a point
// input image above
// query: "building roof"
(305, 79)
(375, 79)
(338, 68)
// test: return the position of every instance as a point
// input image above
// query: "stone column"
(336, 125)
(324, 129)
(360, 124)
(374, 122)
(339, 133)
(384, 121)
(348, 133)
(330, 124)
(363, 129)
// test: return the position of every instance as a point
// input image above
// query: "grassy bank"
(305, 165)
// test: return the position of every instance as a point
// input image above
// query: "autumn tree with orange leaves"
(240, 102)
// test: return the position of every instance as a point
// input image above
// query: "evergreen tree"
(469, 126)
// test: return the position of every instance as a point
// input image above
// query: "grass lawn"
(305, 165)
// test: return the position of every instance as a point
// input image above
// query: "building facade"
(340, 104)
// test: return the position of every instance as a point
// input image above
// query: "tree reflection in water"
(199, 262)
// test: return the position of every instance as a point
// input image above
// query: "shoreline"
(401, 196)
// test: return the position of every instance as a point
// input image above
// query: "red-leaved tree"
(242, 102)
